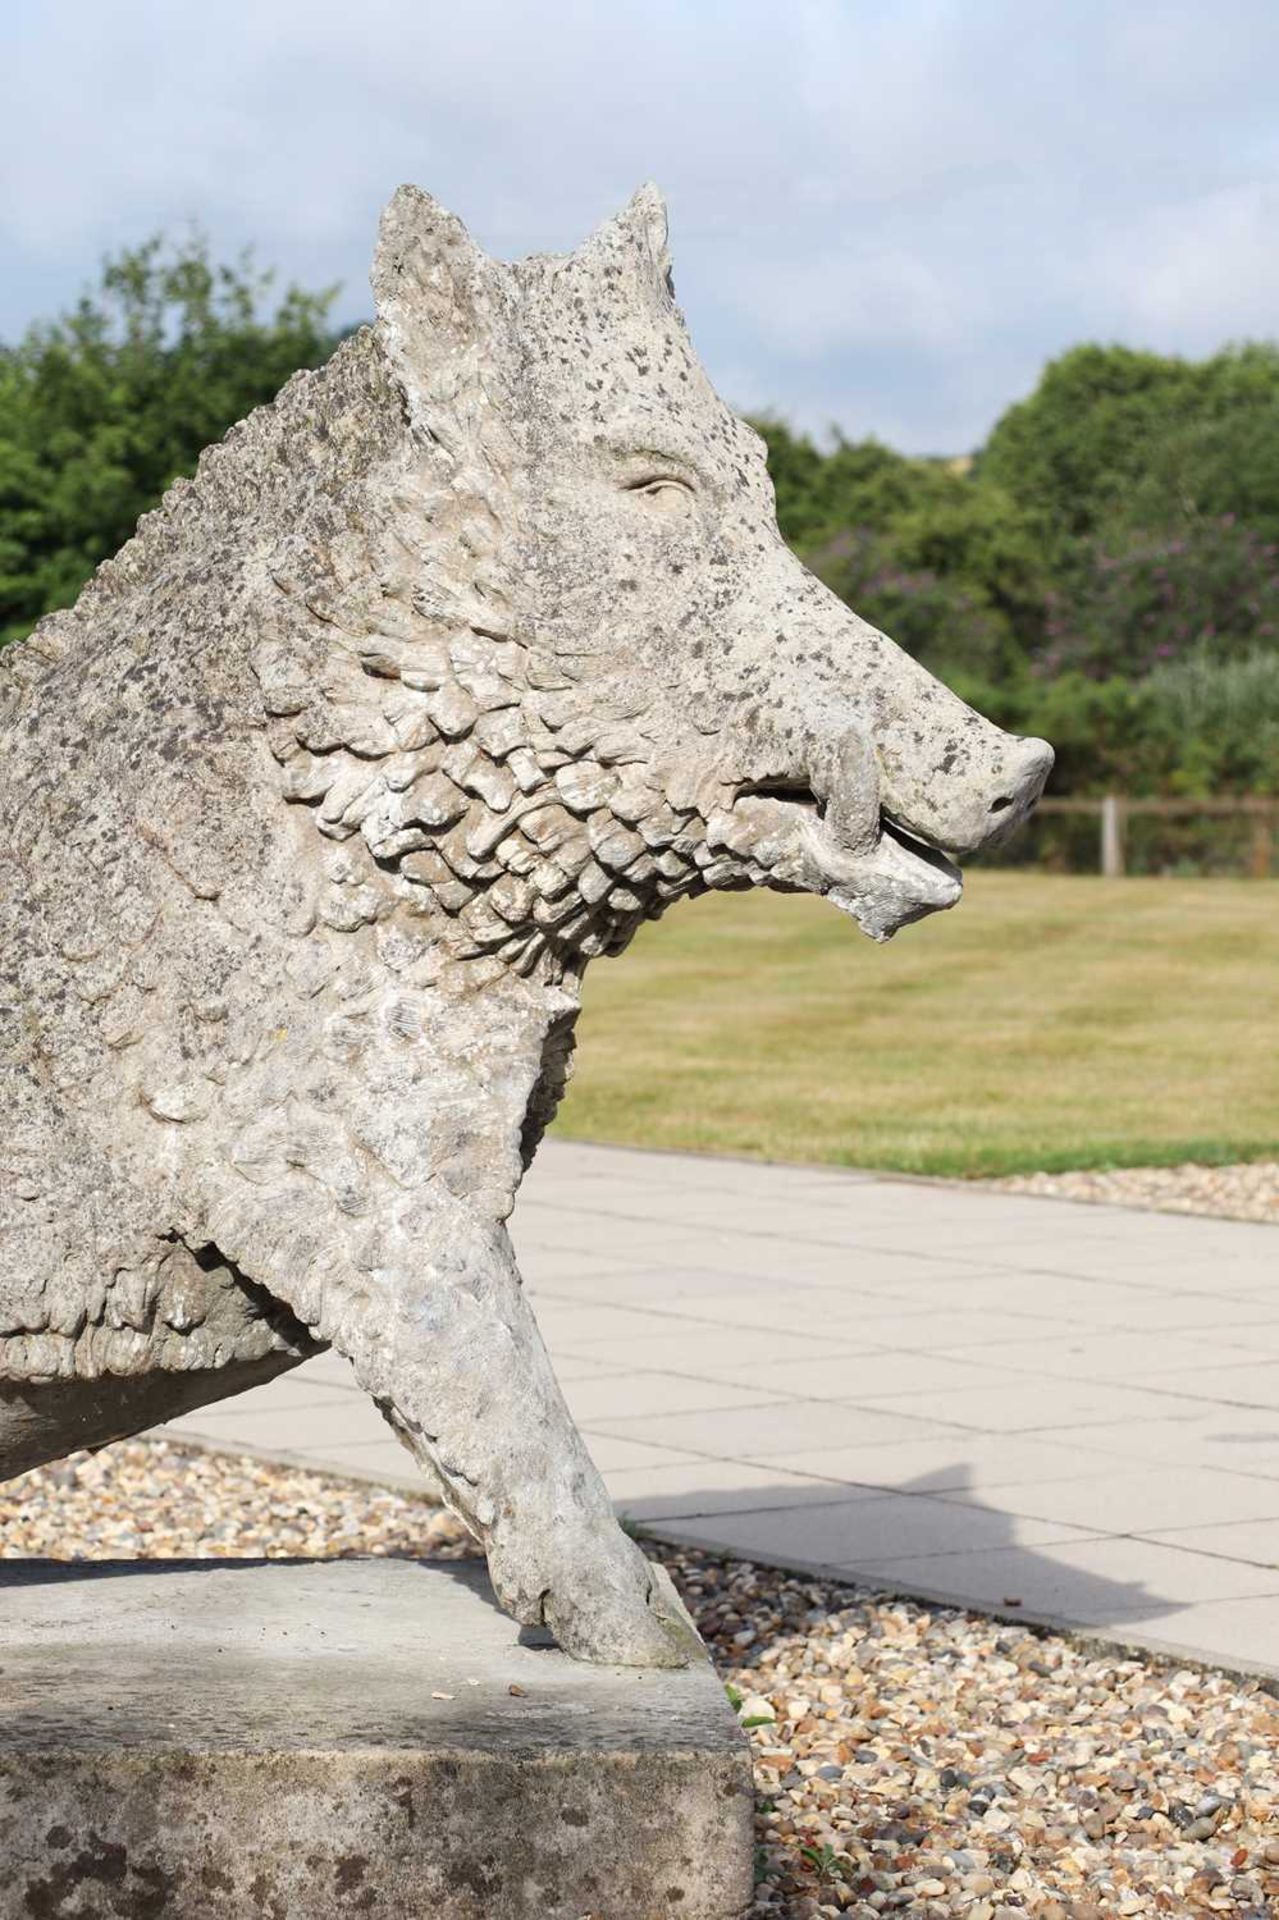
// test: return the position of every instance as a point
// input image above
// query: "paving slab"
(752, 1350)
(210, 1740)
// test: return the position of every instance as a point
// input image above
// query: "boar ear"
(638, 234)
(431, 284)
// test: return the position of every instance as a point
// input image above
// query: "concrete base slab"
(269, 1740)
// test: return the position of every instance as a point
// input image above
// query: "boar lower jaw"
(886, 885)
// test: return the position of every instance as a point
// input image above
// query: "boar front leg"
(448, 1347)
(455, 1358)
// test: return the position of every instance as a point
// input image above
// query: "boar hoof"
(609, 1605)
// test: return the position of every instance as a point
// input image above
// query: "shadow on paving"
(958, 1549)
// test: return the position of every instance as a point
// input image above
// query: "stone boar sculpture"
(475, 649)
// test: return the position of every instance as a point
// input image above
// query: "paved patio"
(1022, 1404)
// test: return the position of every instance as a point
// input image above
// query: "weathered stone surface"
(227, 1741)
(473, 650)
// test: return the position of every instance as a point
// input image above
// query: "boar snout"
(967, 787)
(869, 787)
(942, 773)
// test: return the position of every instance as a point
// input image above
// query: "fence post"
(1112, 837)
(1261, 845)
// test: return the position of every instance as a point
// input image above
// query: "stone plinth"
(256, 1740)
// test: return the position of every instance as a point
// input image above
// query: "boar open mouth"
(910, 843)
(792, 793)
(872, 868)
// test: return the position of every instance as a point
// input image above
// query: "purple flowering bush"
(1130, 606)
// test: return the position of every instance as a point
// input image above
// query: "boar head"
(643, 694)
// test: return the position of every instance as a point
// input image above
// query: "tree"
(859, 483)
(1208, 470)
(101, 410)
(1111, 435)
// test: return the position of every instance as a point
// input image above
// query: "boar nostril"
(1004, 800)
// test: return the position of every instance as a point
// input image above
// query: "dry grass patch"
(1048, 1022)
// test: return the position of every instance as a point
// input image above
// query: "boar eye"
(662, 492)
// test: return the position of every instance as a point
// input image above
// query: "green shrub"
(101, 410)
(1224, 715)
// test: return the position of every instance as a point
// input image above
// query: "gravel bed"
(152, 1500)
(1248, 1191)
(919, 1760)
(910, 1759)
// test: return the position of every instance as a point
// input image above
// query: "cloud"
(1202, 269)
(886, 212)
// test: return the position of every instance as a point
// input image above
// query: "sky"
(885, 214)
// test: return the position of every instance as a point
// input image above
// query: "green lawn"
(1047, 1022)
